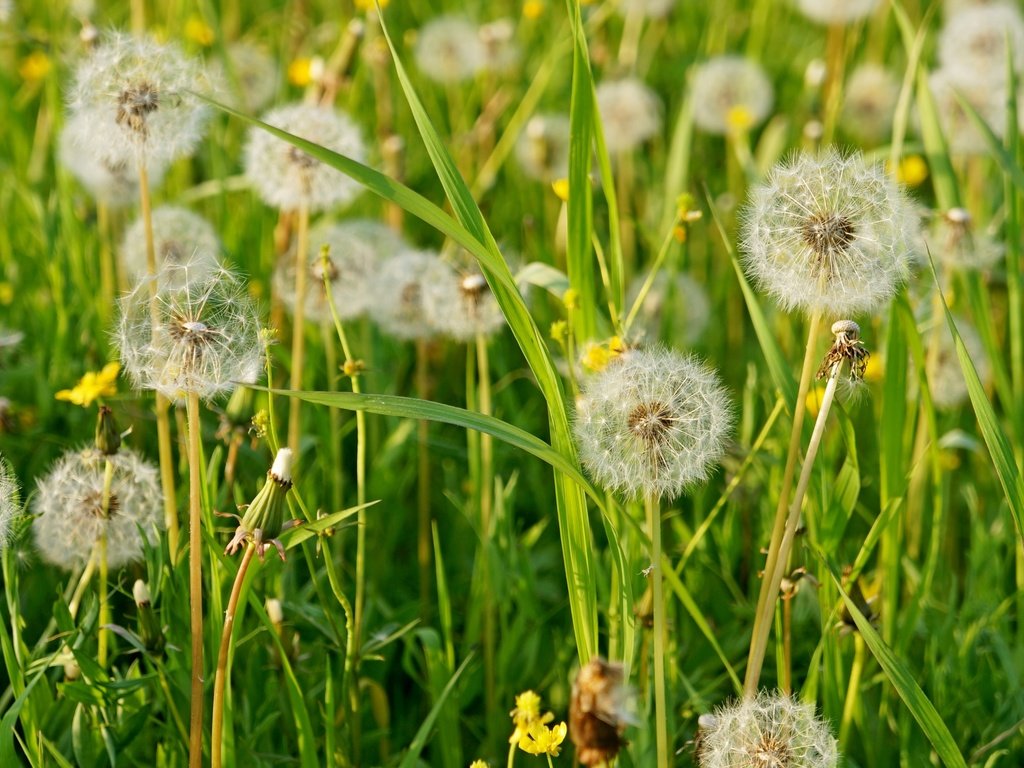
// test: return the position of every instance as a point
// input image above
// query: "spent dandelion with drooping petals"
(731, 93)
(599, 711)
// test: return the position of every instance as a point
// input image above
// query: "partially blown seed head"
(630, 113)
(397, 291)
(459, 303)
(179, 237)
(731, 93)
(449, 49)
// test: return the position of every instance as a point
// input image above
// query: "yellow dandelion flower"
(875, 369)
(559, 330)
(571, 299)
(478, 764)
(93, 386)
(541, 740)
(813, 401)
(533, 9)
(527, 714)
(911, 171)
(369, 5)
(739, 118)
(561, 188)
(300, 72)
(597, 356)
(199, 32)
(35, 67)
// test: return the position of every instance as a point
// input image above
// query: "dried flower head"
(836, 12)
(652, 422)
(731, 93)
(542, 149)
(203, 338)
(179, 237)
(870, 103)
(356, 251)
(630, 113)
(137, 96)
(449, 49)
(654, 9)
(397, 290)
(264, 519)
(829, 234)
(771, 730)
(249, 75)
(989, 100)
(598, 712)
(676, 310)
(972, 44)
(458, 302)
(955, 243)
(10, 501)
(70, 515)
(846, 348)
(285, 176)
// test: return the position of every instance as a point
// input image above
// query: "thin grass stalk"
(486, 490)
(835, 56)
(424, 552)
(852, 692)
(108, 272)
(653, 511)
(766, 598)
(101, 556)
(299, 327)
(195, 583)
(334, 415)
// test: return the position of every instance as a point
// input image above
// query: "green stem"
(486, 490)
(101, 554)
(299, 327)
(653, 510)
(424, 553)
(195, 582)
(852, 691)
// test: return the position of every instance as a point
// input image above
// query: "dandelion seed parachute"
(870, 103)
(180, 238)
(459, 303)
(542, 149)
(68, 507)
(630, 113)
(397, 291)
(449, 49)
(731, 92)
(10, 501)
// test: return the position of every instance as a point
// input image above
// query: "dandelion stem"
(852, 691)
(298, 327)
(195, 583)
(220, 677)
(101, 556)
(653, 510)
(486, 489)
(79, 593)
(423, 549)
(766, 598)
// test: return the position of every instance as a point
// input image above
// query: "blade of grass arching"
(913, 43)
(947, 192)
(446, 752)
(411, 758)
(903, 681)
(615, 285)
(981, 311)
(1012, 226)
(1005, 156)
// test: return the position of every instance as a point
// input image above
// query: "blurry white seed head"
(206, 336)
(449, 49)
(675, 310)
(956, 243)
(10, 501)
(69, 511)
(829, 233)
(654, 9)
(987, 97)
(972, 44)
(179, 237)
(946, 381)
(542, 149)
(869, 103)
(288, 178)
(652, 422)
(501, 53)
(836, 11)
(630, 113)
(248, 79)
(731, 93)
(397, 290)
(136, 94)
(458, 303)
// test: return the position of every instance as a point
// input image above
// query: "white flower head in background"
(653, 9)
(630, 113)
(836, 12)
(988, 98)
(397, 291)
(249, 78)
(459, 303)
(731, 93)
(972, 44)
(449, 50)
(180, 237)
(542, 149)
(870, 103)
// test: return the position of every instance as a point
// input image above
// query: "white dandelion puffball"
(836, 12)
(136, 96)
(69, 508)
(946, 381)
(285, 176)
(501, 53)
(653, 9)
(630, 113)
(771, 729)
(869, 103)
(542, 149)
(10, 501)
(459, 303)
(676, 309)
(988, 99)
(954, 242)
(397, 291)
(179, 237)
(204, 339)
(972, 44)
(358, 249)
(653, 422)
(248, 78)
(829, 234)
(731, 93)
(449, 50)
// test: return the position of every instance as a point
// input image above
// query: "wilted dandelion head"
(69, 511)
(449, 49)
(599, 711)
(836, 11)
(179, 237)
(956, 243)
(10, 501)
(357, 249)
(652, 422)
(136, 95)
(946, 381)
(731, 93)
(654, 9)
(397, 291)
(542, 149)
(288, 178)
(769, 731)
(987, 97)
(501, 53)
(630, 113)
(676, 310)
(458, 302)
(829, 233)
(870, 102)
(203, 338)
(248, 78)
(972, 44)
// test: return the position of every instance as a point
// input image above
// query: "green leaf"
(411, 758)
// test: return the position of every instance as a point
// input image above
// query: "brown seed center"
(135, 104)
(93, 503)
(827, 234)
(650, 422)
(771, 752)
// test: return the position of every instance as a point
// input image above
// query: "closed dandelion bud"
(731, 93)
(954, 242)
(10, 502)
(203, 336)
(676, 310)
(829, 234)
(988, 98)
(449, 50)
(180, 238)
(149, 625)
(136, 95)
(630, 113)
(870, 103)
(652, 423)
(654, 9)
(771, 730)
(287, 178)
(71, 516)
(264, 519)
(398, 292)
(972, 45)
(459, 303)
(108, 437)
(249, 75)
(542, 149)
(598, 712)
(836, 12)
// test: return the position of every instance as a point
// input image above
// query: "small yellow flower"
(561, 189)
(559, 330)
(527, 714)
(533, 9)
(93, 386)
(369, 5)
(35, 67)
(813, 400)
(6, 293)
(679, 233)
(912, 170)
(597, 356)
(478, 764)
(739, 118)
(198, 31)
(541, 740)
(571, 299)
(875, 369)
(300, 72)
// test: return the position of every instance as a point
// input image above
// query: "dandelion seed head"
(652, 422)
(542, 149)
(501, 53)
(955, 242)
(397, 290)
(840, 12)
(69, 511)
(630, 113)
(179, 237)
(988, 99)
(449, 50)
(676, 310)
(10, 502)
(459, 303)
(972, 44)
(946, 381)
(726, 87)
(829, 233)
(870, 103)
(253, 79)
(285, 177)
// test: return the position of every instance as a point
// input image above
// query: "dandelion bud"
(449, 50)
(652, 422)
(597, 712)
(149, 626)
(630, 113)
(727, 87)
(263, 520)
(108, 437)
(829, 234)
(836, 12)
(180, 238)
(769, 730)
(459, 304)
(10, 501)
(397, 291)
(543, 148)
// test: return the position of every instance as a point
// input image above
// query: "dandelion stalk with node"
(198, 340)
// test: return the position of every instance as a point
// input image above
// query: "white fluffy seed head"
(10, 502)
(829, 233)
(449, 49)
(771, 730)
(630, 113)
(653, 9)
(946, 381)
(358, 248)
(68, 505)
(832, 12)
(136, 94)
(205, 339)
(956, 243)
(972, 44)
(987, 97)
(397, 290)
(730, 93)
(870, 103)
(542, 149)
(458, 303)
(285, 177)
(501, 53)
(652, 423)
(249, 78)
(179, 237)
(676, 310)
